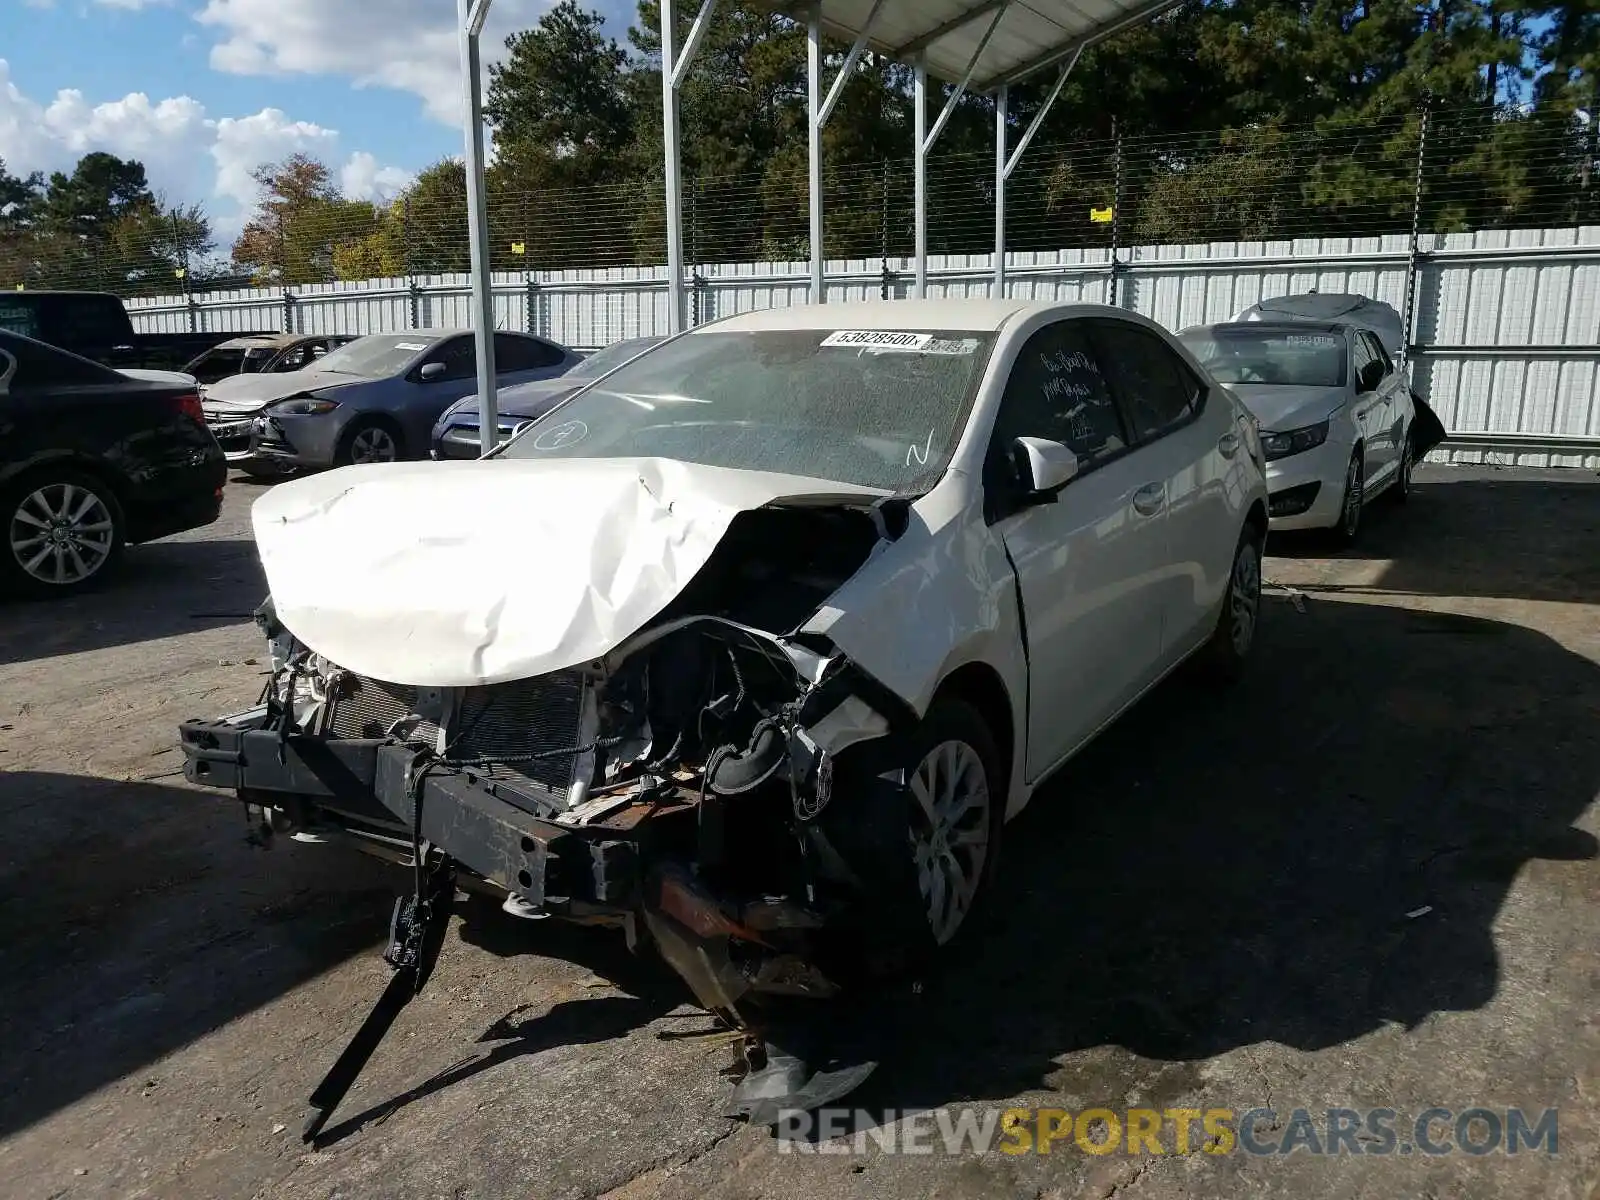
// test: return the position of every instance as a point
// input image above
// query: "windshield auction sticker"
(878, 339)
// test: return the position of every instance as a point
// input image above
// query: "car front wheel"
(1408, 458)
(922, 852)
(1354, 497)
(1234, 637)
(370, 441)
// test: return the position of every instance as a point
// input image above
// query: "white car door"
(1395, 399)
(1371, 408)
(1189, 441)
(1090, 560)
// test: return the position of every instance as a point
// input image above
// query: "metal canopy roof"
(1029, 36)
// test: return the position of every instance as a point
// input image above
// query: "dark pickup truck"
(95, 325)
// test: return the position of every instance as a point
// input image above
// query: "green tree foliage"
(303, 227)
(98, 227)
(1220, 120)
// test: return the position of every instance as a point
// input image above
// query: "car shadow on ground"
(1470, 532)
(1318, 852)
(161, 589)
(1302, 859)
(135, 918)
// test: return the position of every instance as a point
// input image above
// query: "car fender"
(938, 598)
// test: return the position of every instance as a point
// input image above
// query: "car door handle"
(1228, 444)
(1147, 501)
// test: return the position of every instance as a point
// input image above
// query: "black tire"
(1228, 651)
(881, 832)
(1353, 503)
(1408, 460)
(360, 431)
(100, 528)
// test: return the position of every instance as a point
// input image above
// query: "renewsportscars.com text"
(1259, 1131)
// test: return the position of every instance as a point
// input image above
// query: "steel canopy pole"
(674, 70)
(818, 110)
(677, 309)
(814, 167)
(471, 17)
(1001, 100)
(1005, 164)
(919, 132)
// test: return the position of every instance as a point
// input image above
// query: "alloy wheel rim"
(1246, 598)
(372, 445)
(62, 534)
(949, 833)
(1352, 498)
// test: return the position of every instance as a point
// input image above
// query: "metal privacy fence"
(1505, 324)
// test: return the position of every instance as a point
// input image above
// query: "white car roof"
(976, 315)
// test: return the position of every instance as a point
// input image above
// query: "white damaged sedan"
(751, 646)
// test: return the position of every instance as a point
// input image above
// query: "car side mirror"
(1371, 376)
(1043, 467)
(431, 371)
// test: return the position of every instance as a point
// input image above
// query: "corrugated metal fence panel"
(1501, 307)
(1188, 285)
(364, 306)
(1472, 291)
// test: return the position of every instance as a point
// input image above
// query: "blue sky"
(204, 90)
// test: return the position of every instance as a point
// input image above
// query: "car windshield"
(376, 356)
(218, 364)
(610, 357)
(1243, 354)
(877, 408)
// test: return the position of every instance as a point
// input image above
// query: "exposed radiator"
(505, 720)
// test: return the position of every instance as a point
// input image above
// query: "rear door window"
(512, 353)
(1157, 392)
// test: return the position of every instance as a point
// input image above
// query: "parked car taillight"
(188, 403)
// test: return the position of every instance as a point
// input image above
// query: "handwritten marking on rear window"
(1311, 339)
(411, 345)
(878, 339)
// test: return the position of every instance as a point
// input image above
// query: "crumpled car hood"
(469, 573)
(249, 393)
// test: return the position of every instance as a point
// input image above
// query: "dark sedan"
(456, 433)
(92, 461)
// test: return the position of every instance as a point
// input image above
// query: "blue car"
(456, 435)
(371, 401)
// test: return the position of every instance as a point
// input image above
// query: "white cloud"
(189, 156)
(408, 45)
(364, 178)
(131, 5)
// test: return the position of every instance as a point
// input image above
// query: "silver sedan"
(372, 401)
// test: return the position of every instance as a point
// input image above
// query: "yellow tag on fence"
(518, 248)
(1101, 216)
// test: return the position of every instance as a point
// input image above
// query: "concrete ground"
(1365, 878)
